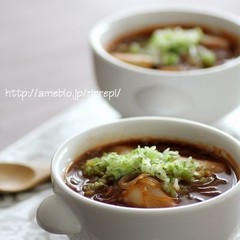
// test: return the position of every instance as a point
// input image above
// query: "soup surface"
(150, 173)
(176, 48)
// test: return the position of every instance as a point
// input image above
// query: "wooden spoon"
(18, 177)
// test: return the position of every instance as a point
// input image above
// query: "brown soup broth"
(197, 192)
(143, 35)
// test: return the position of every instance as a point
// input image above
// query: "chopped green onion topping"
(175, 39)
(168, 166)
(208, 57)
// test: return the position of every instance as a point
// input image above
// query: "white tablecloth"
(17, 213)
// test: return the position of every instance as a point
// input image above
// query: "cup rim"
(200, 10)
(57, 178)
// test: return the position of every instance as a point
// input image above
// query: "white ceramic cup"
(203, 95)
(67, 212)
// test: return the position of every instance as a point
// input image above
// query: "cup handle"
(55, 216)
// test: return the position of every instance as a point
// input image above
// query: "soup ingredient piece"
(167, 166)
(201, 56)
(173, 68)
(142, 60)
(145, 191)
(207, 57)
(120, 149)
(211, 167)
(211, 41)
